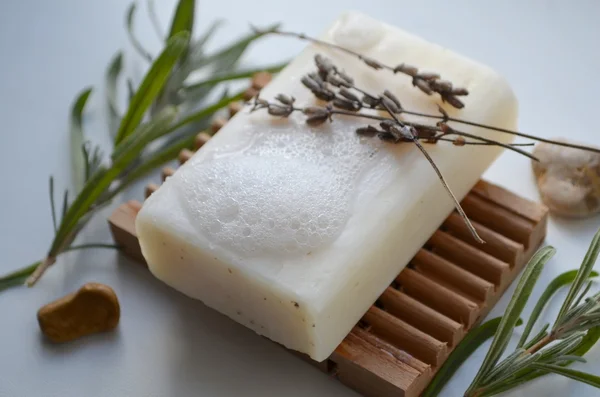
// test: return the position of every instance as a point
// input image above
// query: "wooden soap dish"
(446, 290)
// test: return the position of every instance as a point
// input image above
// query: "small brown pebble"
(568, 179)
(201, 139)
(261, 79)
(250, 93)
(217, 124)
(234, 108)
(94, 308)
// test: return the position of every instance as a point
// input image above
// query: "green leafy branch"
(158, 112)
(575, 331)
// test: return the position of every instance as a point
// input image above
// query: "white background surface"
(167, 344)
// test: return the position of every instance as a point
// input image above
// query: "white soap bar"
(295, 231)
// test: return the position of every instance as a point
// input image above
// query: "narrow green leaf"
(584, 272)
(86, 162)
(18, 277)
(154, 19)
(570, 358)
(65, 204)
(203, 87)
(112, 76)
(579, 376)
(558, 282)
(151, 85)
(227, 58)
(222, 61)
(144, 134)
(103, 178)
(183, 18)
(52, 206)
(589, 340)
(582, 294)
(513, 311)
(77, 139)
(130, 91)
(134, 41)
(208, 34)
(461, 353)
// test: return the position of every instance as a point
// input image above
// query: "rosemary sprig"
(575, 331)
(133, 156)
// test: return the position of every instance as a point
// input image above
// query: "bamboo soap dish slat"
(445, 291)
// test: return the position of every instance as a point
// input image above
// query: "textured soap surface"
(295, 231)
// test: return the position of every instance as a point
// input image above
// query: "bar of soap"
(295, 231)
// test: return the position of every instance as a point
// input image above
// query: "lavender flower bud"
(428, 76)
(346, 104)
(324, 64)
(372, 63)
(406, 69)
(345, 77)
(454, 101)
(392, 97)
(368, 131)
(460, 91)
(310, 83)
(370, 101)
(422, 85)
(348, 95)
(280, 111)
(285, 99)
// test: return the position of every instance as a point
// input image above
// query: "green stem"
(18, 277)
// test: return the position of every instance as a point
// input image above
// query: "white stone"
(295, 231)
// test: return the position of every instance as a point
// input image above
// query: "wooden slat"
(398, 354)
(500, 219)
(438, 297)
(373, 372)
(496, 244)
(533, 211)
(167, 172)
(406, 337)
(469, 257)
(422, 317)
(150, 188)
(185, 155)
(122, 227)
(455, 277)
(200, 140)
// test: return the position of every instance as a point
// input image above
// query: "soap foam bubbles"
(289, 191)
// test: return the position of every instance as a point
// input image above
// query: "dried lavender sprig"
(284, 110)
(428, 83)
(375, 102)
(443, 181)
(504, 130)
(392, 104)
